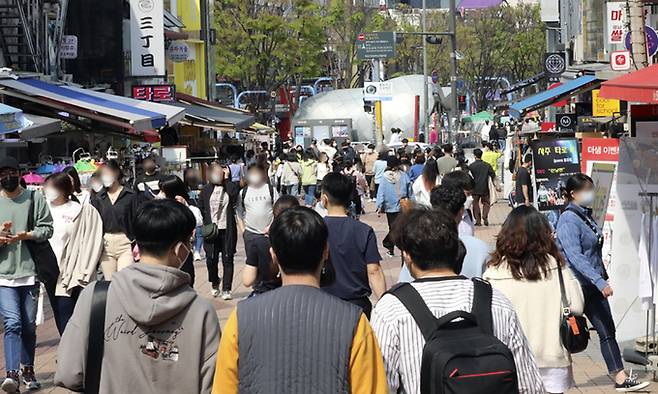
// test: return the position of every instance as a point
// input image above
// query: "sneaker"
(11, 383)
(226, 296)
(486, 222)
(630, 384)
(390, 254)
(215, 291)
(197, 256)
(29, 379)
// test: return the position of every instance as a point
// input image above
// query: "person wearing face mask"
(19, 288)
(368, 158)
(156, 325)
(464, 181)
(217, 202)
(581, 241)
(148, 180)
(77, 242)
(94, 185)
(117, 205)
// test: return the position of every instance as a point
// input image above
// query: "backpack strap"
(96, 341)
(30, 213)
(415, 304)
(243, 195)
(481, 308)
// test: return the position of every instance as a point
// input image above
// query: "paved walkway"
(589, 368)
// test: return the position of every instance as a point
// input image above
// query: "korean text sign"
(147, 53)
(553, 161)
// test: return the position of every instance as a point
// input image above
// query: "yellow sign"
(602, 106)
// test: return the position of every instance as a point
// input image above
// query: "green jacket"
(309, 172)
(15, 259)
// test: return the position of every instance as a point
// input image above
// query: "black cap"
(9, 162)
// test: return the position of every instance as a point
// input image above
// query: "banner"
(553, 162)
(147, 53)
(602, 106)
(602, 175)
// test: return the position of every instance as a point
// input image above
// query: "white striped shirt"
(402, 343)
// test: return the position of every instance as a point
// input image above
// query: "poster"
(553, 162)
(602, 106)
(616, 21)
(602, 175)
(147, 53)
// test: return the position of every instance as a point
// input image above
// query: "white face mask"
(586, 198)
(97, 187)
(254, 179)
(51, 194)
(187, 254)
(469, 202)
(216, 179)
(107, 180)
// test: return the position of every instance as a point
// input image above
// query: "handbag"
(210, 231)
(574, 333)
(45, 261)
(96, 339)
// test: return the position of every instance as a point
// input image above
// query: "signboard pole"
(379, 130)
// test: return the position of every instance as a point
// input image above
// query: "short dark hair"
(448, 197)
(284, 202)
(460, 179)
(62, 182)
(172, 186)
(576, 183)
(161, 224)
(73, 173)
(430, 237)
(338, 188)
(405, 140)
(420, 159)
(299, 237)
(477, 152)
(527, 158)
(392, 162)
(447, 148)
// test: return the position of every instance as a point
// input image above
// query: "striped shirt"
(402, 343)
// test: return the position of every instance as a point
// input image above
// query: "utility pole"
(425, 95)
(638, 38)
(454, 127)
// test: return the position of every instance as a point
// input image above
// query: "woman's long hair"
(525, 243)
(430, 174)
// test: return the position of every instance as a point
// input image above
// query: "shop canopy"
(11, 119)
(550, 96)
(203, 113)
(639, 87)
(479, 117)
(124, 112)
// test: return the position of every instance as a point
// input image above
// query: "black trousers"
(363, 303)
(188, 268)
(388, 242)
(213, 249)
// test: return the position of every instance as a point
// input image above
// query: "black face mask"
(9, 183)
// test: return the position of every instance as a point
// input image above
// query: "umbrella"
(33, 179)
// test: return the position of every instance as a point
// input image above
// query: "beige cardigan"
(80, 256)
(537, 304)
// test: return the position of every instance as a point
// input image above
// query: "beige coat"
(82, 252)
(538, 306)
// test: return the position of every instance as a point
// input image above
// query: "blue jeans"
(309, 195)
(198, 240)
(597, 310)
(290, 190)
(501, 145)
(18, 306)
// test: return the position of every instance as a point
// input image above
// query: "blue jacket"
(580, 247)
(393, 187)
(415, 171)
(379, 168)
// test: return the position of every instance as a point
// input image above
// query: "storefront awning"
(119, 111)
(11, 119)
(547, 97)
(640, 86)
(40, 127)
(204, 113)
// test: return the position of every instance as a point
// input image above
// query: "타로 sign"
(377, 45)
(602, 106)
(156, 93)
(147, 53)
(377, 91)
(553, 162)
(69, 47)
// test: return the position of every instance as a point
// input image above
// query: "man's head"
(477, 153)
(450, 199)
(256, 175)
(299, 242)
(429, 241)
(447, 149)
(527, 161)
(392, 163)
(405, 142)
(163, 229)
(336, 190)
(459, 179)
(284, 202)
(9, 174)
(149, 165)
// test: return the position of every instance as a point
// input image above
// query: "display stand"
(651, 313)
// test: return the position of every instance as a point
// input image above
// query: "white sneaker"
(215, 291)
(197, 256)
(11, 384)
(226, 296)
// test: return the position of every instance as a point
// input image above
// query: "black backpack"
(461, 356)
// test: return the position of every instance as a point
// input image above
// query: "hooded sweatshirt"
(393, 187)
(160, 336)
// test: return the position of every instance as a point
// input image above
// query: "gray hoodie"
(160, 336)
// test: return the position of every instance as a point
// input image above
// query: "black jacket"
(118, 217)
(231, 234)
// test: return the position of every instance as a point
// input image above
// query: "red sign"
(558, 104)
(155, 93)
(361, 37)
(597, 150)
(620, 60)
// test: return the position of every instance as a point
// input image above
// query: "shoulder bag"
(45, 261)
(574, 333)
(96, 340)
(209, 231)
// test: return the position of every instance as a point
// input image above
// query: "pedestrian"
(379, 168)
(581, 241)
(368, 158)
(423, 185)
(291, 172)
(447, 163)
(359, 187)
(523, 189)
(194, 184)
(392, 190)
(352, 247)
(309, 176)
(464, 181)
(236, 168)
(160, 336)
(431, 248)
(94, 185)
(405, 146)
(417, 168)
(524, 267)
(217, 202)
(323, 168)
(327, 344)
(117, 205)
(260, 273)
(77, 242)
(490, 155)
(83, 196)
(502, 136)
(493, 132)
(173, 188)
(485, 131)
(481, 172)
(394, 138)
(147, 181)
(19, 287)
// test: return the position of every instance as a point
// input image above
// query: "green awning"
(479, 117)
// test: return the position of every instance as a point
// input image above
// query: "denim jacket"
(393, 186)
(580, 247)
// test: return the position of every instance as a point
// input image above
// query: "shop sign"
(620, 60)
(555, 64)
(155, 93)
(178, 51)
(147, 54)
(616, 21)
(651, 40)
(566, 122)
(597, 151)
(377, 91)
(602, 106)
(553, 162)
(68, 49)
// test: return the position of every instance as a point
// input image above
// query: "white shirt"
(64, 217)
(83, 197)
(420, 194)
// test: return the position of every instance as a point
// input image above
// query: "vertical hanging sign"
(147, 51)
